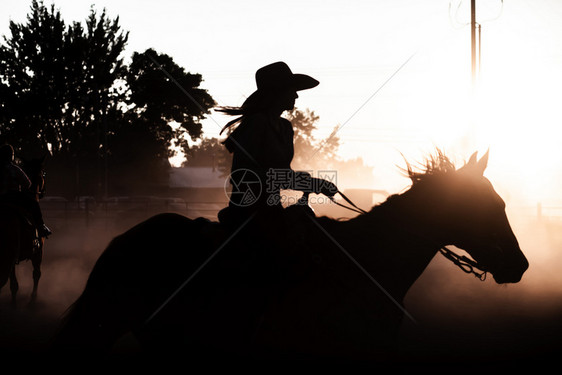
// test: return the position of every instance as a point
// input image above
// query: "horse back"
(154, 256)
(157, 248)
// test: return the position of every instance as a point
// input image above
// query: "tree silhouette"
(162, 92)
(59, 83)
(59, 80)
(67, 89)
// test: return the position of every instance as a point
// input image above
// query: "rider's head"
(280, 84)
(276, 92)
(6, 153)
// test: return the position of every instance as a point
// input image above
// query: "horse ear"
(476, 166)
(472, 160)
(483, 163)
(470, 164)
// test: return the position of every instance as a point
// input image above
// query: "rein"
(353, 208)
(463, 262)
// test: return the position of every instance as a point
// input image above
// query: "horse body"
(181, 283)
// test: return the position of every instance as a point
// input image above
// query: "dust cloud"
(460, 317)
(457, 316)
(69, 256)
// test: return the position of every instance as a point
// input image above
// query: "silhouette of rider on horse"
(262, 148)
(14, 185)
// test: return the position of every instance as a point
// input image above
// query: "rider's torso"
(262, 149)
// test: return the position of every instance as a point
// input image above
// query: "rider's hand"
(329, 189)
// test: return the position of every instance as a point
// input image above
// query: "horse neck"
(397, 240)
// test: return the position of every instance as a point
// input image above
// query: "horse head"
(471, 216)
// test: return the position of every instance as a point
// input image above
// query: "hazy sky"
(395, 74)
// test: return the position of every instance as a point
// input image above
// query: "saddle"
(282, 243)
(297, 215)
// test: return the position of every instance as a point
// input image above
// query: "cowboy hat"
(279, 76)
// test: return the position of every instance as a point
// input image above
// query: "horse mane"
(436, 164)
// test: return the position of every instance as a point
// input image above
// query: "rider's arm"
(282, 157)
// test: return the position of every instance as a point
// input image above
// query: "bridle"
(466, 264)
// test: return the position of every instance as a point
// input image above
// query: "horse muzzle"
(511, 272)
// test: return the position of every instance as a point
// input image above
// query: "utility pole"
(473, 38)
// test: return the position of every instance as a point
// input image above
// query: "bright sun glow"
(516, 117)
(512, 110)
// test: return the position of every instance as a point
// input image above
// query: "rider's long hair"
(259, 101)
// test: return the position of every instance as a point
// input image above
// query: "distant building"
(199, 184)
